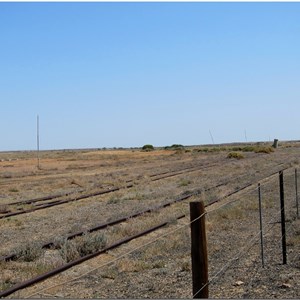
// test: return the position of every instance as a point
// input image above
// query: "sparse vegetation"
(174, 147)
(148, 147)
(68, 251)
(132, 265)
(114, 200)
(3, 208)
(29, 252)
(167, 258)
(184, 182)
(264, 150)
(81, 246)
(236, 155)
(90, 243)
(248, 148)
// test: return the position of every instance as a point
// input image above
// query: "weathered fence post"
(296, 187)
(283, 236)
(199, 250)
(275, 144)
(261, 227)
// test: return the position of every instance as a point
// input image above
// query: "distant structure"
(211, 136)
(275, 143)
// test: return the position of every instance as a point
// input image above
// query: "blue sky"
(128, 74)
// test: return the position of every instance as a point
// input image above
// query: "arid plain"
(75, 190)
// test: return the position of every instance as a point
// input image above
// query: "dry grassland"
(157, 265)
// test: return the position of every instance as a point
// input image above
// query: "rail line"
(61, 174)
(148, 210)
(54, 196)
(60, 269)
(123, 219)
(129, 184)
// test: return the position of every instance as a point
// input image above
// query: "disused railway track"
(40, 176)
(129, 183)
(60, 269)
(148, 210)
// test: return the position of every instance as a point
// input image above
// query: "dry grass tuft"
(81, 246)
(235, 155)
(130, 265)
(90, 243)
(68, 251)
(29, 252)
(4, 208)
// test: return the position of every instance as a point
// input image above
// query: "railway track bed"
(215, 182)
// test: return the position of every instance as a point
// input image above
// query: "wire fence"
(159, 265)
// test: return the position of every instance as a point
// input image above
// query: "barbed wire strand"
(117, 258)
(226, 266)
(253, 276)
(239, 255)
(257, 269)
(244, 192)
(152, 241)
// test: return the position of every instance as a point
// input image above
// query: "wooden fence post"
(199, 250)
(283, 236)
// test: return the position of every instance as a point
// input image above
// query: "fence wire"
(239, 211)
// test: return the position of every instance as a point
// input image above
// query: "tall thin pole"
(283, 235)
(38, 140)
(261, 227)
(212, 139)
(297, 199)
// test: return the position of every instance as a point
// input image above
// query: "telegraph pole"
(38, 141)
(212, 139)
(246, 136)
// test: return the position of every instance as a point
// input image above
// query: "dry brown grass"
(96, 169)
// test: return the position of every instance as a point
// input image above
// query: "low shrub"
(29, 252)
(174, 147)
(248, 149)
(81, 246)
(68, 251)
(90, 243)
(148, 147)
(184, 182)
(235, 155)
(267, 150)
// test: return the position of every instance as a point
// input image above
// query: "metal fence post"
(296, 187)
(199, 250)
(283, 236)
(261, 227)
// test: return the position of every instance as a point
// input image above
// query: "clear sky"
(129, 74)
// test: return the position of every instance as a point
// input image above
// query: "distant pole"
(283, 235)
(261, 227)
(38, 140)
(212, 139)
(296, 187)
(246, 136)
